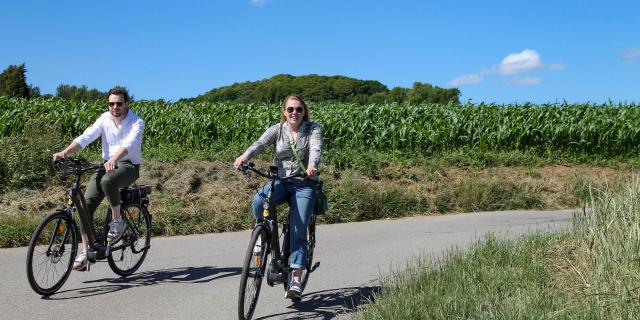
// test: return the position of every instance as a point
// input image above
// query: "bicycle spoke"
(127, 257)
(252, 273)
(49, 255)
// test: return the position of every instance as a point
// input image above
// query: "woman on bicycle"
(294, 131)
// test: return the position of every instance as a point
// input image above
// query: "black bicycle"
(54, 243)
(266, 255)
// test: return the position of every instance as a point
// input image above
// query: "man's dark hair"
(120, 91)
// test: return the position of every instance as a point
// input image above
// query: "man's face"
(117, 106)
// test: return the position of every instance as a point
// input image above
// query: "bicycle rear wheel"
(253, 271)
(51, 252)
(128, 253)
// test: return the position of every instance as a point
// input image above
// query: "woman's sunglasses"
(297, 109)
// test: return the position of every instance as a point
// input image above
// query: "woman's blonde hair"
(294, 97)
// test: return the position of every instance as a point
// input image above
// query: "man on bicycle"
(120, 130)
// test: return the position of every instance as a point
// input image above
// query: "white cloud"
(556, 66)
(631, 54)
(514, 63)
(526, 81)
(466, 79)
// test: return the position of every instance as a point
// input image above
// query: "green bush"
(26, 159)
(356, 199)
(489, 194)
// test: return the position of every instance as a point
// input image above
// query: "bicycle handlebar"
(76, 166)
(273, 172)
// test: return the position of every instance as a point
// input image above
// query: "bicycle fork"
(274, 268)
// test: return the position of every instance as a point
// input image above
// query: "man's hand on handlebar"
(110, 166)
(58, 156)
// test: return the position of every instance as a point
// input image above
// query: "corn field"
(423, 129)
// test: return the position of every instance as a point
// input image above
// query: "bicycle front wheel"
(311, 244)
(128, 253)
(253, 270)
(51, 252)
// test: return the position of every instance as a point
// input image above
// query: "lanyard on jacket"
(295, 152)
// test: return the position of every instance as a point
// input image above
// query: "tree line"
(13, 83)
(316, 88)
(328, 88)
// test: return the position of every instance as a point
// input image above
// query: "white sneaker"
(81, 262)
(295, 290)
(116, 228)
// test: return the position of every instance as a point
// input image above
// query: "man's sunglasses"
(119, 104)
(297, 109)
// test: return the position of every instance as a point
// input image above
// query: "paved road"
(197, 277)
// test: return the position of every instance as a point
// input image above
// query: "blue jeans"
(301, 198)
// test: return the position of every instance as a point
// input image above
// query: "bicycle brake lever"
(245, 167)
(57, 164)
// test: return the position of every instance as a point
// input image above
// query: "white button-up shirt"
(128, 136)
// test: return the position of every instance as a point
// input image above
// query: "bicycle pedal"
(315, 266)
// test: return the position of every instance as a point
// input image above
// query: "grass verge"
(590, 273)
(209, 196)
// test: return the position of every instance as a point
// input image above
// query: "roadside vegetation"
(380, 161)
(590, 272)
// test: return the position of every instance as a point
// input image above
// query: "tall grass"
(608, 244)
(592, 272)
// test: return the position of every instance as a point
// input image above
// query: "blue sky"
(493, 51)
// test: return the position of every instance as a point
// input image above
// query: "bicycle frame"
(77, 201)
(275, 273)
(256, 263)
(80, 204)
(45, 275)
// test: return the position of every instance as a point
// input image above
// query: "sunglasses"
(119, 104)
(297, 109)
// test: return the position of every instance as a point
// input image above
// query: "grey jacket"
(308, 145)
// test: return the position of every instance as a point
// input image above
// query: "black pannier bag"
(135, 193)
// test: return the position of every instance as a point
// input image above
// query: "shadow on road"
(147, 278)
(328, 304)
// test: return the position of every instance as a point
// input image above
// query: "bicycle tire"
(285, 253)
(62, 235)
(128, 253)
(311, 244)
(253, 267)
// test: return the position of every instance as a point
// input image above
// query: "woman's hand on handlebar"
(239, 161)
(311, 172)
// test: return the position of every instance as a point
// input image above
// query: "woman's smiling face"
(294, 112)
